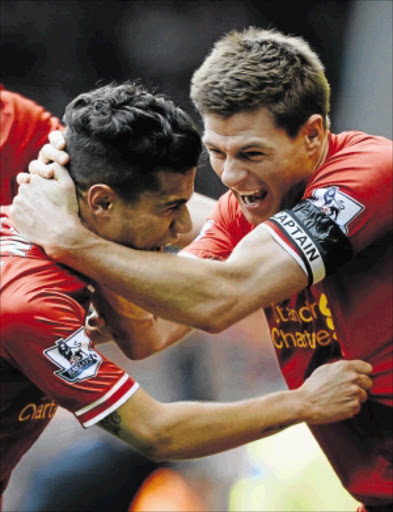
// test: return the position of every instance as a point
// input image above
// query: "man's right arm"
(183, 430)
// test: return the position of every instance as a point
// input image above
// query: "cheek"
(217, 165)
(157, 228)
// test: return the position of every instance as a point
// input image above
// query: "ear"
(101, 199)
(314, 132)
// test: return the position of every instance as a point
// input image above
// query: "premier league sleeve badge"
(73, 355)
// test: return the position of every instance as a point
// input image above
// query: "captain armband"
(312, 238)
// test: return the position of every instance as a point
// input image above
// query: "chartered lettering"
(38, 412)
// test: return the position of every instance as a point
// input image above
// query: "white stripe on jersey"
(285, 246)
(107, 395)
(112, 408)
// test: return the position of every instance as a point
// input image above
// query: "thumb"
(61, 174)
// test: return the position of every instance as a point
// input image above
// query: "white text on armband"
(299, 243)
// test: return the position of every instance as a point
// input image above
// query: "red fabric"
(44, 304)
(348, 314)
(24, 130)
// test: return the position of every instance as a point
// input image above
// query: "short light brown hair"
(263, 68)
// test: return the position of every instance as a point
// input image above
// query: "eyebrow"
(248, 145)
(253, 145)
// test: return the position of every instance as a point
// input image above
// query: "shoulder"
(35, 288)
(359, 150)
(223, 230)
(19, 114)
(229, 213)
(17, 104)
(358, 163)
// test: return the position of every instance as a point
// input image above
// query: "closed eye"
(215, 151)
(252, 154)
(176, 206)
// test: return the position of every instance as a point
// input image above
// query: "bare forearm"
(186, 291)
(137, 332)
(189, 435)
(142, 338)
(208, 295)
(189, 429)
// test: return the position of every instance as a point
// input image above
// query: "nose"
(182, 224)
(233, 172)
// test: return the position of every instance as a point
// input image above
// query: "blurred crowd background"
(53, 50)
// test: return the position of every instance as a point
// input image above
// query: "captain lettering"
(298, 235)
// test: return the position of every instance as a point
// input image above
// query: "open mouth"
(254, 198)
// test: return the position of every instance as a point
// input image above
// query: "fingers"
(364, 382)
(23, 177)
(362, 396)
(361, 378)
(40, 168)
(49, 153)
(52, 170)
(60, 173)
(49, 156)
(96, 328)
(361, 366)
(94, 319)
(56, 138)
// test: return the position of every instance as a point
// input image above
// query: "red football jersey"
(347, 309)
(46, 357)
(24, 129)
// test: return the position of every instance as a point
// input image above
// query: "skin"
(189, 429)
(154, 220)
(186, 429)
(251, 155)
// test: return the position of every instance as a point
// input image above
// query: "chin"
(254, 218)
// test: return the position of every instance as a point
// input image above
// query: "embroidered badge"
(76, 360)
(337, 205)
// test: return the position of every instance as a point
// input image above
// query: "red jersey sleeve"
(42, 317)
(354, 187)
(347, 206)
(24, 130)
(222, 231)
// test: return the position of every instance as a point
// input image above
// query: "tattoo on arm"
(112, 423)
(274, 430)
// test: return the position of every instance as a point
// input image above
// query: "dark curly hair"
(122, 135)
(258, 68)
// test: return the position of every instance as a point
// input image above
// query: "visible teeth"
(254, 197)
(251, 193)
